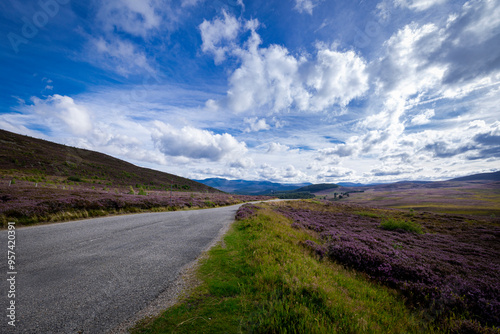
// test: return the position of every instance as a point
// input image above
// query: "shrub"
(392, 224)
(209, 204)
(74, 179)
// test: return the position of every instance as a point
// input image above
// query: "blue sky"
(289, 91)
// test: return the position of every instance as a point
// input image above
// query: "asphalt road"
(89, 276)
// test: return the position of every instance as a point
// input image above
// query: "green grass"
(368, 214)
(393, 224)
(264, 280)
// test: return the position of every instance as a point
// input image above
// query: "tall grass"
(394, 224)
(266, 280)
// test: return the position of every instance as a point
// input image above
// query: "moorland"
(474, 195)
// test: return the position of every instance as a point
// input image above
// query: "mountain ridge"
(267, 187)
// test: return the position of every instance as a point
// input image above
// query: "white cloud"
(418, 5)
(334, 174)
(341, 150)
(306, 6)
(336, 78)
(244, 163)
(277, 147)
(423, 118)
(287, 173)
(268, 76)
(272, 77)
(56, 108)
(394, 171)
(137, 18)
(195, 143)
(425, 63)
(121, 56)
(256, 124)
(188, 3)
(219, 35)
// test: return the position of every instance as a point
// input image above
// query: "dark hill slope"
(314, 188)
(22, 155)
(480, 177)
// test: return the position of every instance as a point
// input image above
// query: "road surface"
(90, 276)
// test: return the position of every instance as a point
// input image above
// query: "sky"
(320, 91)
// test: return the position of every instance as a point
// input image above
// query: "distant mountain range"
(266, 187)
(250, 187)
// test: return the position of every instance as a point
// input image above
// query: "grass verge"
(266, 279)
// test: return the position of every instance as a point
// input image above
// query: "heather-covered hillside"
(36, 160)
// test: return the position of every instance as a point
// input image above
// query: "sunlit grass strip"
(393, 224)
(265, 280)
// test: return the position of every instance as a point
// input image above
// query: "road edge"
(185, 281)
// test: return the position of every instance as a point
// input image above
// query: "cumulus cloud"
(57, 108)
(471, 47)
(340, 150)
(272, 77)
(336, 78)
(256, 124)
(277, 147)
(244, 163)
(288, 173)
(428, 62)
(475, 140)
(195, 143)
(219, 35)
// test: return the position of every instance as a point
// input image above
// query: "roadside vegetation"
(446, 266)
(269, 277)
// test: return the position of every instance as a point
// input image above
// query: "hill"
(314, 188)
(249, 187)
(39, 160)
(495, 176)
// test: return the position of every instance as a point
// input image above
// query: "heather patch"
(29, 205)
(451, 271)
(246, 211)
